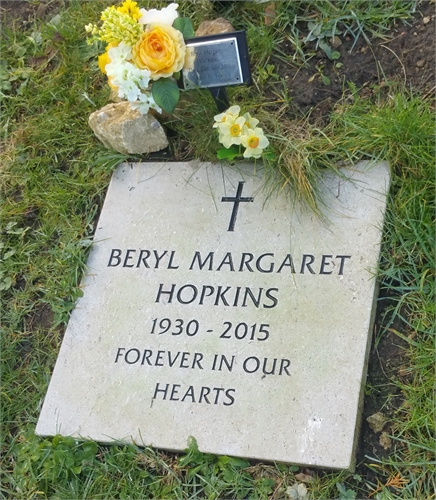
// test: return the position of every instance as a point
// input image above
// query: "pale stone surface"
(214, 27)
(121, 375)
(124, 129)
(113, 96)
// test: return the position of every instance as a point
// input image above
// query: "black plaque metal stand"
(221, 99)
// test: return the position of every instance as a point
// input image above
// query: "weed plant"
(53, 181)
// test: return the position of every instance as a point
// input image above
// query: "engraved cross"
(236, 200)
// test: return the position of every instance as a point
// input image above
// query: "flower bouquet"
(145, 51)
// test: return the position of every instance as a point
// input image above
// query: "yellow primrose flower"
(251, 122)
(131, 9)
(231, 131)
(228, 116)
(255, 142)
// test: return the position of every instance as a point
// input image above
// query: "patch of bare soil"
(407, 54)
(387, 363)
(21, 14)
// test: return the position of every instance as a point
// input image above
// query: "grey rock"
(124, 129)
(335, 42)
(113, 96)
(376, 421)
(385, 440)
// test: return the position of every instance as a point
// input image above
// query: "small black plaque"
(216, 61)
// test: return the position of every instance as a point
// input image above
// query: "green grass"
(408, 272)
(53, 181)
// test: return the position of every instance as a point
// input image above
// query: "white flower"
(127, 89)
(117, 69)
(128, 79)
(255, 142)
(120, 75)
(167, 15)
(144, 103)
(116, 72)
(140, 76)
(122, 52)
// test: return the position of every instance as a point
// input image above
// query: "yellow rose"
(161, 50)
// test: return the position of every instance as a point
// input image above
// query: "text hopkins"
(217, 295)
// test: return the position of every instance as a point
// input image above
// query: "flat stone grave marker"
(215, 309)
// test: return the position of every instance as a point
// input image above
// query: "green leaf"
(6, 283)
(325, 80)
(268, 155)
(90, 449)
(335, 54)
(237, 463)
(191, 452)
(344, 493)
(326, 48)
(20, 51)
(88, 51)
(166, 94)
(228, 153)
(57, 439)
(4, 73)
(229, 475)
(192, 472)
(8, 254)
(5, 85)
(184, 25)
